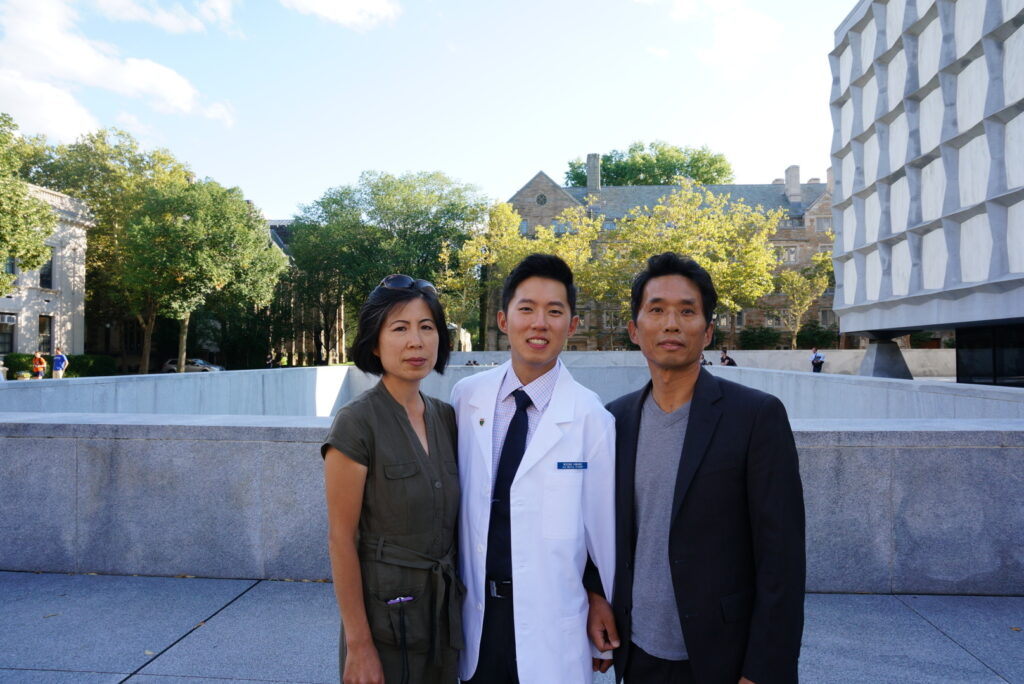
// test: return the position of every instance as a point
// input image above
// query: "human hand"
(602, 664)
(744, 680)
(601, 624)
(362, 665)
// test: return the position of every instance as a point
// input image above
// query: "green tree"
(186, 242)
(345, 242)
(802, 288)
(728, 238)
(657, 163)
(494, 250)
(25, 222)
(758, 337)
(110, 172)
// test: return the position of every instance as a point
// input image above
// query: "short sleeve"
(350, 434)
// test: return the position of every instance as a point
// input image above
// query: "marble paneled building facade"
(928, 156)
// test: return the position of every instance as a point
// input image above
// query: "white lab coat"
(558, 515)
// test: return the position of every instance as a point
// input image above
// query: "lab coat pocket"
(563, 502)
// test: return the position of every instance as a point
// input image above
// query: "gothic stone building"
(805, 231)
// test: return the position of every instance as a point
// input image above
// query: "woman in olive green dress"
(392, 499)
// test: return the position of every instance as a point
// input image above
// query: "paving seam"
(899, 597)
(186, 634)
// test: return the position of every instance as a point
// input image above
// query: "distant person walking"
(38, 366)
(60, 364)
(817, 360)
(725, 359)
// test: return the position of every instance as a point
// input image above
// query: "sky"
(288, 98)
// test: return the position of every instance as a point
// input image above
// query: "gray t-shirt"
(655, 618)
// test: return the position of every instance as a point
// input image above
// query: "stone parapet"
(905, 506)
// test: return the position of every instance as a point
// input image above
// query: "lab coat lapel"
(481, 415)
(704, 415)
(556, 419)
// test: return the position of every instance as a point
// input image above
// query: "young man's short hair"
(670, 263)
(539, 266)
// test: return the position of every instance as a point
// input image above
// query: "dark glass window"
(46, 273)
(9, 266)
(46, 334)
(991, 355)
(7, 333)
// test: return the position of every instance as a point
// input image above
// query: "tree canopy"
(25, 222)
(657, 163)
(346, 241)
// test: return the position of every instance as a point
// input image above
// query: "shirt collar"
(539, 391)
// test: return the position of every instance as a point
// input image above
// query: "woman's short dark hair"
(670, 263)
(540, 266)
(375, 311)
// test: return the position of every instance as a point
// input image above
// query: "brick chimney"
(593, 173)
(830, 180)
(793, 192)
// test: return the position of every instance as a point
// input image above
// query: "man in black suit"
(710, 556)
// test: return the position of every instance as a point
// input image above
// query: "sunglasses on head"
(400, 281)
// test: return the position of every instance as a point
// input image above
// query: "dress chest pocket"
(401, 496)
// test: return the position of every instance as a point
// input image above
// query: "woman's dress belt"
(442, 571)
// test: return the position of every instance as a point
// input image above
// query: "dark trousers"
(643, 668)
(497, 662)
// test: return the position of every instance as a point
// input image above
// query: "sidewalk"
(64, 629)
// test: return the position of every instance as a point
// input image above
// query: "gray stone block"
(99, 623)
(163, 679)
(294, 512)
(37, 504)
(873, 639)
(958, 521)
(290, 634)
(849, 519)
(157, 507)
(989, 627)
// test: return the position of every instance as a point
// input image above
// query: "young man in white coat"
(536, 465)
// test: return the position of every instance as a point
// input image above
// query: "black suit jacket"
(736, 541)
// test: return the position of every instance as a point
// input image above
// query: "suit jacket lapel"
(553, 422)
(627, 435)
(704, 415)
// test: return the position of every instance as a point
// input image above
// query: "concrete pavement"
(95, 629)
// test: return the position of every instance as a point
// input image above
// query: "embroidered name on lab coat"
(572, 465)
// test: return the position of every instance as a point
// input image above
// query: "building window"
(9, 266)
(7, 323)
(823, 224)
(786, 255)
(791, 223)
(46, 273)
(827, 317)
(772, 319)
(46, 334)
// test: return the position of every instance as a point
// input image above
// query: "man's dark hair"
(375, 311)
(671, 263)
(539, 266)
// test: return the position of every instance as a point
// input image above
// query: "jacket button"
(437, 485)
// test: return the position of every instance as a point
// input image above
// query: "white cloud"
(176, 19)
(356, 14)
(221, 111)
(658, 52)
(133, 125)
(43, 108)
(217, 11)
(43, 51)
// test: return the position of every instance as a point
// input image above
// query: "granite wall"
(899, 506)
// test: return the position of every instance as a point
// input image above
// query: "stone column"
(883, 358)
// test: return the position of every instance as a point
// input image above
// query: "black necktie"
(499, 535)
